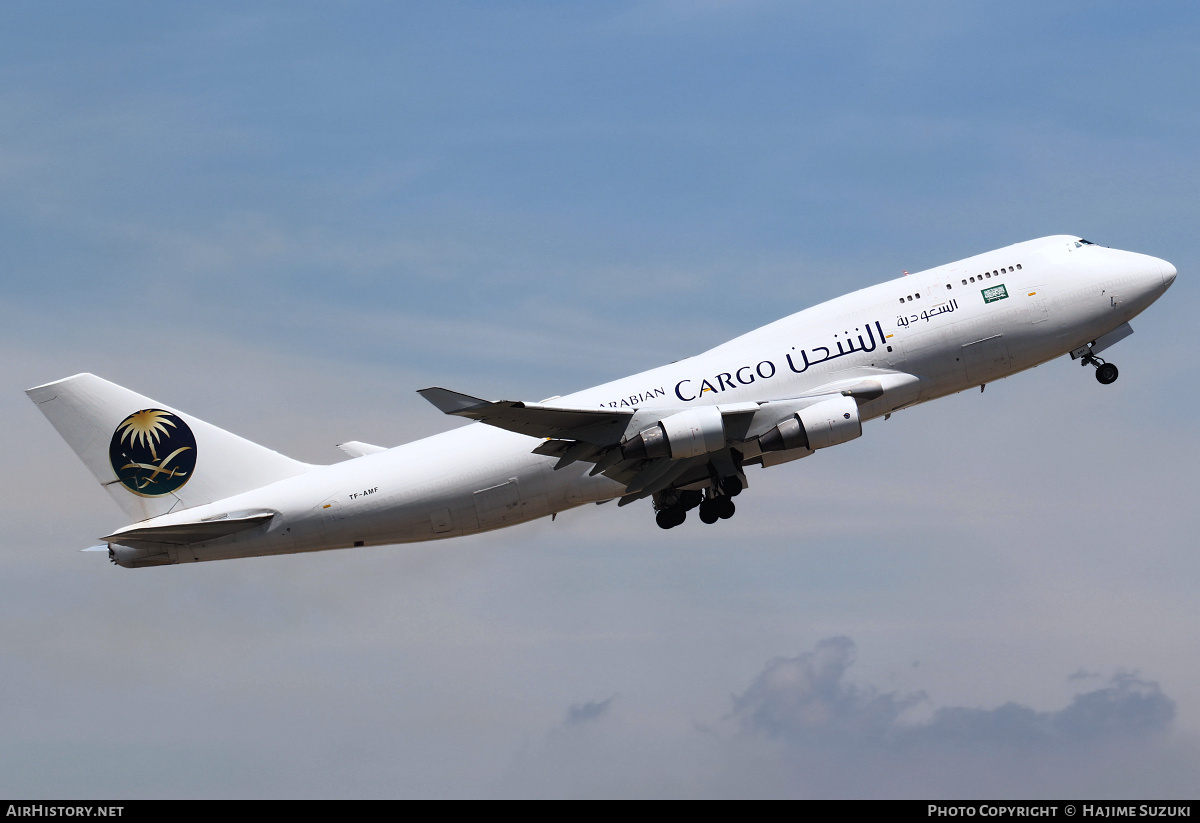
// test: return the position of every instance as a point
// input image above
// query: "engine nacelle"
(823, 424)
(688, 434)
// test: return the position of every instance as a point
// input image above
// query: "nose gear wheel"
(1105, 372)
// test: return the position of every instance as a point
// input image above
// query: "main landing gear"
(717, 508)
(715, 503)
(673, 506)
(1105, 372)
(670, 518)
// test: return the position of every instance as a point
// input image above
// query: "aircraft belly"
(986, 359)
(927, 357)
(498, 505)
(512, 493)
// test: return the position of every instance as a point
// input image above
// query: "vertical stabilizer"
(151, 458)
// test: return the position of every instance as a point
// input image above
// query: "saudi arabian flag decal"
(994, 293)
(153, 452)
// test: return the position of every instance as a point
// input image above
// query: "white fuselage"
(952, 327)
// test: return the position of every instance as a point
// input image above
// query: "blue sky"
(286, 218)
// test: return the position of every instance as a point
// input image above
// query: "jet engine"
(687, 434)
(823, 424)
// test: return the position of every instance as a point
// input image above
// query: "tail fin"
(149, 457)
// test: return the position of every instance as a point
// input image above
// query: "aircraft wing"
(597, 435)
(606, 427)
(598, 426)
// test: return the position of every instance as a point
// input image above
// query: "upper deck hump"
(882, 293)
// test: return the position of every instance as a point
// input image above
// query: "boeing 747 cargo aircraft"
(682, 436)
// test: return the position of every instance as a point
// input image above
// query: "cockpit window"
(1081, 242)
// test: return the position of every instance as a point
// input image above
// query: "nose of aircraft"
(1151, 277)
(1168, 273)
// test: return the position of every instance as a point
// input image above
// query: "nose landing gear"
(1105, 372)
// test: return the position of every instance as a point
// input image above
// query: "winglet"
(451, 402)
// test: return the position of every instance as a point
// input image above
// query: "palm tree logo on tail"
(153, 452)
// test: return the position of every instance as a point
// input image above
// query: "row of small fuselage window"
(987, 274)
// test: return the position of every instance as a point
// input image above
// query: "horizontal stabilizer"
(195, 531)
(356, 448)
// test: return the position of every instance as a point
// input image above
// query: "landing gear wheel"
(724, 507)
(732, 485)
(709, 513)
(1106, 373)
(670, 518)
